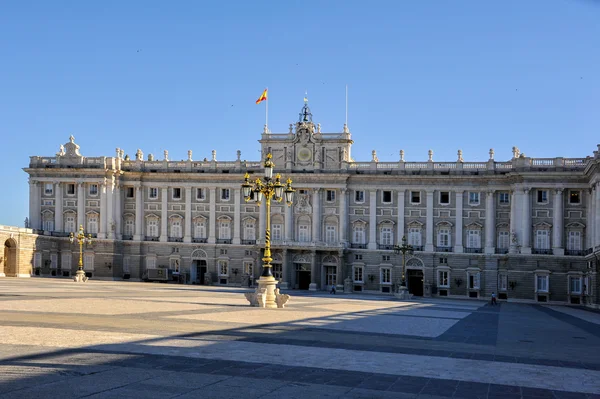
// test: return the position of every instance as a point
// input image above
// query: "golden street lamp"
(405, 248)
(80, 239)
(269, 189)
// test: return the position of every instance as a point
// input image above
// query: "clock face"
(304, 154)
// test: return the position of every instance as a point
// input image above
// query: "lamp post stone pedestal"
(402, 292)
(80, 239)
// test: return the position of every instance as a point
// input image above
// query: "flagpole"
(346, 105)
(267, 112)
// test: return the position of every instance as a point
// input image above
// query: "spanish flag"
(262, 97)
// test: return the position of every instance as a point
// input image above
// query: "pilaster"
(597, 216)
(164, 214)
(429, 222)
(103, 215)
(110, 218)
(285, 270)
(58, 212)
(316, 217)
(118, 212)
(557, 221)
(139, 213)
(187, 234)
(288, 226)
(401, 230)
(526, 222)
(80, 204)
(490, 222)
(458, 240)
(212, 215)
(343, 212)
(313, 272)
(236, 216)
(372, 219)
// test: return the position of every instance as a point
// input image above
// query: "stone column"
(339, 278)
(118, 212)
(316, 216)
(401, 228)
(35, 207)
(80, 204)
(313, 272)
(513, 222)
(285, 271)
(288, 224)
(557, 221)
(236, 215)
(597, 216)
(372, 219)
(110, 217)
(526, 222)
(212, 216)
(458, 240)
(139, 213)
(490, 222)
(187, 233)
(429, 222)
(164, 214)
(58, 209)
(591, 228)
(343, 212)
(103, 223)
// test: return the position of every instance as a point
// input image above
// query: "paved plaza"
(60, 339)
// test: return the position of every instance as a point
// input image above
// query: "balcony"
(60, 234)
(149, 238)
(200, 240)
(502, 250)
(418, 248)
(358, 246)
(443, 249)
(473, 250)
(578, 252)
(127, 237)
(385, 246)
(175, 239)
(248, 242)
(224, 241)
(538, 251)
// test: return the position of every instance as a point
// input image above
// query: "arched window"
(359, 232)
(70, 224)
(152, 226)
(92, 223)
(249, 229)
(224, 228)
(175, 229)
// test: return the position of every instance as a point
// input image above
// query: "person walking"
(332, 291)
(494, 298)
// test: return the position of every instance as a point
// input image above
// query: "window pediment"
(444, 224)
(542, 226)
(47, 212)
(415, 224)
(176, 216)
(152, 216)
(359, 222)
(575, 225)
(474, 226)
(330, 259)
(502, 225)
(224, 218)
(387, 221)
(199, 218)
(249, 219)
(128, 215)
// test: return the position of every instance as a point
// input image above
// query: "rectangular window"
(415, 197)
(37, 260)
(386, 197)
(224, 230)
(223, 252)
(152, 192)
(88, 262)
(249, 268)
(330, 195)
(387, 236)
(443, 279)
(386, 275)
(70, 189)
(502, 282)
(151, 263)
(48, 188)
(542, 239)
(49, 225)
(414, 236)
(503, 240)
(65, 261)
(474, 281)
(129, 227)
(200, 194)
(574, 241)
(541, 283)
(542, 196)
(444, 197)
(358, 274)
(473, 239)
(444, 238)
(176, 193)
(152, 228)
(249, 230)
(278, 271)
(330, 234)
(473, 198)
(93, 189)
(225, 194)
(199, 229)
(176, 228)
(129, 192)
(575, 285)
(359, 196)
(303, 233)
(503, 198)
(358, 234)
(385, 258)
(223, 268)
(70, 224)
(92, 224)
(358, 257)
(574, 197)
(277, 232)
(443, 261)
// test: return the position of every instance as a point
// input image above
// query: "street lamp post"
(404, 249)
(268, 188)
(81, 239)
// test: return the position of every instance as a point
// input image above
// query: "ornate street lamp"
(405, 248)
(80, 239)
(268, 188)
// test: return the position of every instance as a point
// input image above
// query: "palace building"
(525, 228)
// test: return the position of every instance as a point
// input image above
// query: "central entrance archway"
(414, 276)
(9, 261)
(199, 267)
(302, 272)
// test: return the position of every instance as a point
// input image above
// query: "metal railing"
(473, 250)
(358, 246)
(443, 249)
(224, 241)
(200, 240)
(248, 242)
(501, 250)
(538, 251)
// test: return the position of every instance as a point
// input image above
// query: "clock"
(304, 154)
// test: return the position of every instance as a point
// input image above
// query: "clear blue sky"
(438, 75)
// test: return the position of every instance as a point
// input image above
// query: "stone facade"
(526, 228)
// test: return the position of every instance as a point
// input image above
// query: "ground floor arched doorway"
(9, 261)
(414, 276)
(199, 267)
